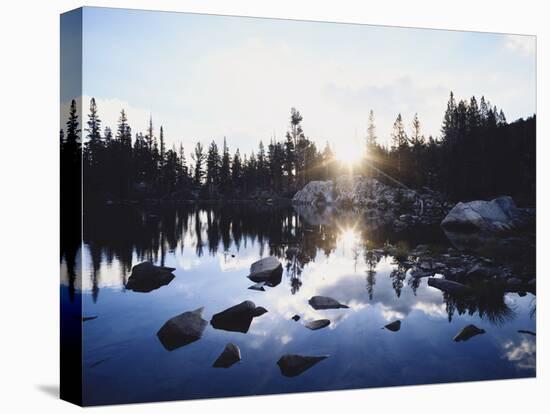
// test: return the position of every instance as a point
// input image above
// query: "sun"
(349, 154)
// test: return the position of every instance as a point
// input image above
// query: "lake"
(212, 248)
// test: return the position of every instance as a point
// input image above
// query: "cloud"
(523, 354)
(525, 45)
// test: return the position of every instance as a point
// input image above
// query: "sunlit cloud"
(526, 45)
(523, 354)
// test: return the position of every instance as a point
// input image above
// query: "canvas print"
(261, 206)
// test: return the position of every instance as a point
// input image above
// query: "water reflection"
(116, 238)
(339, 256)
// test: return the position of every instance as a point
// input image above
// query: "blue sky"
(205, 77)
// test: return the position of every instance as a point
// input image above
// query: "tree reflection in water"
(296, 236)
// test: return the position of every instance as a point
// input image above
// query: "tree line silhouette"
(478, 155)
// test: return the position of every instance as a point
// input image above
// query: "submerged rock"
(393, 326)
(182, 329)
(318, 324)
(523, 331)
(324, 302)
(296, 318)
(230, 355)
(146, 277)
(237, 318)
(293, 365)
(468, 332)
(449, 286)
(268, 270)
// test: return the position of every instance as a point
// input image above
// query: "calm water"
(212, 249)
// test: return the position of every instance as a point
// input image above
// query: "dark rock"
(88, 318)
(324, 302)
(146, 277)
(449, 286)
(258, 286)
(522, 331)
(296, 318)
(467, 333)
(230, 355)
(237, 318)
(479, 272)
(318, 324)
(182, 329)
(268, 270)
(294, 365)
(393, 326)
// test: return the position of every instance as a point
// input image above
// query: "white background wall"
(29, 207)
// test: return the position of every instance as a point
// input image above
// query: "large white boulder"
(499, 214)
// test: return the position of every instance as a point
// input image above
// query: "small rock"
(318, 324)
(467, 333)
(230, 355)
(296, 318)
(146, 277)
(293, 365)
(88, 318)
(522, 331)
(449, 286)
(268, 270)
(182, 329)
(324, 302)
(393, 326)
(258, 286)
(237, 318)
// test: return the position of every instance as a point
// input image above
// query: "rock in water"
(182, 329)
(467, 333)
(268, 270)
(318, 324)
(258, 286)
(294, 365)
(146, 277)
(230, 355)
(394, 326)
(497, 215)
(237, 318)
(523, 331)
(324, 302)
(449, 286)
(296, 318)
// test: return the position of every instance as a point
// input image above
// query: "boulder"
(237, 318)
(449, 286)
(393, 326)
(318, 324)
(293, 365)
(468, 332)
(182, 329)
(146, 277)
(230, 355)
(500, 214)
(268, 270)
(324, 302)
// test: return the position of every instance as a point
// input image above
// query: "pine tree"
(237, 170)
(225, 170)
(198, 156)
(372, 139)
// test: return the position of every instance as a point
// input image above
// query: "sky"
(206, 77)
